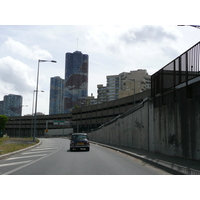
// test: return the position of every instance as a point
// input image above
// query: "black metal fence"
(178, 72)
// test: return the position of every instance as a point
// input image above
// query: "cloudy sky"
(112, 49)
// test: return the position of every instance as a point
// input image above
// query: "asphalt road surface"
(53, 157)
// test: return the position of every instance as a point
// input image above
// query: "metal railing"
(181, 70)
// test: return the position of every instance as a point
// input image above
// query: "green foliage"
(3, 120)
(76, 106)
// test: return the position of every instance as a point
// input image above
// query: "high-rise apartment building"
(76, 80)
(133, 82)
(56, 102)
(101, 93)
(112, 87)
(12, 105)
(124, 84)
(1, 107)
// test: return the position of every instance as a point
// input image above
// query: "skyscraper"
(76, 80)
(1, 107)
(12, 105)
(56, 104)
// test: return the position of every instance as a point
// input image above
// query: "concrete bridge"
(81, 119)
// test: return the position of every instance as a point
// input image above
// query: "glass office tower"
(76, 80)
(56, 104)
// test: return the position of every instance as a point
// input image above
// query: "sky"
(117, 40)
(112, 49)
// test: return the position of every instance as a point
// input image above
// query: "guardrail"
(179, 71)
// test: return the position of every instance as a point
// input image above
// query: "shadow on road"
(77, 150)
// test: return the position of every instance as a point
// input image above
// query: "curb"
(19, 151)
(168, 166)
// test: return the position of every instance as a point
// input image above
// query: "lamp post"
(34, 133)
(33, 110)
(21, 119)
(134, 91)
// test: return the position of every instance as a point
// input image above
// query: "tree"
(3, 120)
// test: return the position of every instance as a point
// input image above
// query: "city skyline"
(112, 50)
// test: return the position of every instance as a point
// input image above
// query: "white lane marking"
(16, 163)
(47, 147)
(26, 157)
(41, 149)
(33, 152)
(16, 169)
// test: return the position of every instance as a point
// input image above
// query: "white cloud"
(33, 52)
(15, 76)
(111, 49)
(126, 48)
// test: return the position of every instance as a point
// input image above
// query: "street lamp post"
(33, 110)
(34, 133)
(21, 118)
(134, 91)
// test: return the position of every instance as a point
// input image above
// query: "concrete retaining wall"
(130, 129)
(172, 129)
(177, 129)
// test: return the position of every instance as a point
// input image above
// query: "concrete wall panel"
(171, 129)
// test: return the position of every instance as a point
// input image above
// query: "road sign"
(58, 122)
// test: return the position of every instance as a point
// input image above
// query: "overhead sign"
(58, 122)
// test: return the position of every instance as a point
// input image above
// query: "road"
(53, 157)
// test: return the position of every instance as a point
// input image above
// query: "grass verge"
(8, 145)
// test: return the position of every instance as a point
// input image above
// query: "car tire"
(71, 149)
(88, 149)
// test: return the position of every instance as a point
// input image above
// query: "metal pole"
(34, 132)
(32, 114)
(33, 110)
(134, 94)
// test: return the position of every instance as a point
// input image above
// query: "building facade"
(112, 87)
(133, 82)
(90, 100)
(56, 102)
(123, 85)
(1, 107)
(76, 80)
(12, 105)
(101, 93)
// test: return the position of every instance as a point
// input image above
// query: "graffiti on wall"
(139, 125)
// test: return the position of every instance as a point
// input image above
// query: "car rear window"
(79, 137)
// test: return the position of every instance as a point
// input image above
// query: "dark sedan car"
(79, 141)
